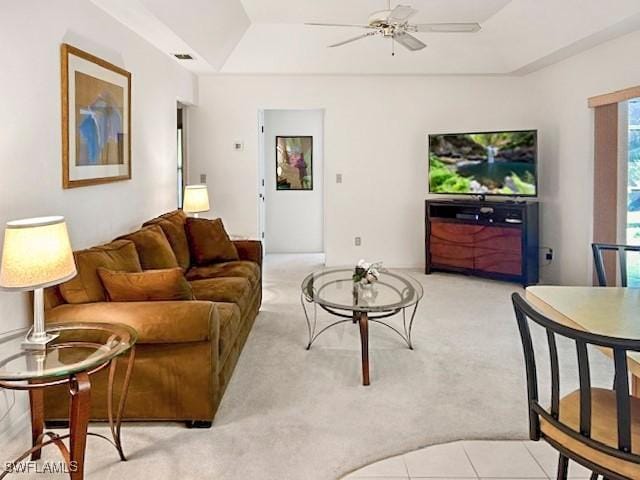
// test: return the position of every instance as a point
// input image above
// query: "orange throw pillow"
(86, 287)
(209, 242)
(150, 285)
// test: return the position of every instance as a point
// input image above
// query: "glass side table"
(333, 290)
(79, 351)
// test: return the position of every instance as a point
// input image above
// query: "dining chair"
(595, 427)
(598, 259)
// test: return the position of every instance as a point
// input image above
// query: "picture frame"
(294, 162)
(96, 120)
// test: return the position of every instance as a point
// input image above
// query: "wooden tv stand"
(497, 240)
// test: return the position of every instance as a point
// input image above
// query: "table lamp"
(36, 254)
(196, 199)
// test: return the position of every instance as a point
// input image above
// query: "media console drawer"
(503, 239)
(452, 255)
(492, 260)
(482, 241)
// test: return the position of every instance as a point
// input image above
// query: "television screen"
(492, 163)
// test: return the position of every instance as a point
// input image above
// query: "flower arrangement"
(367, 273)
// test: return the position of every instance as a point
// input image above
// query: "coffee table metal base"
(362, 319)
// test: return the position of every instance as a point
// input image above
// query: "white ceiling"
(269, 36)
(357, 11)
(209, 30)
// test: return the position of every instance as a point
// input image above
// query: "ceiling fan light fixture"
(394, 24)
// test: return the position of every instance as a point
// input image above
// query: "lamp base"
(31, 343)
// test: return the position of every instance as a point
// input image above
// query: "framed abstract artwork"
(294, 163)
(96, 120)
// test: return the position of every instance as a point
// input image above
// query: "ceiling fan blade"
(337, 25)
(359, 37)
(401, 14)
(447, 27)
(409, 41)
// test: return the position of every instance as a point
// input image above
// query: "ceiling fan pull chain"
(393, 47)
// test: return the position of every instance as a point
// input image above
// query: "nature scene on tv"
(483, 163)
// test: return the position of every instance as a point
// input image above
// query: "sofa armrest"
(250, 250)
(155, 322)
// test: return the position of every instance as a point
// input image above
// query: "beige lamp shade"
(196, 199)
(36, 254)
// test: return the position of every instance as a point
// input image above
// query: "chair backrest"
(620, 347)
(622, 250)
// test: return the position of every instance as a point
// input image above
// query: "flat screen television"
(484, 163)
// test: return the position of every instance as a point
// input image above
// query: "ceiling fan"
(394, 24)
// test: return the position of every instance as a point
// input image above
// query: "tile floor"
(513, 460)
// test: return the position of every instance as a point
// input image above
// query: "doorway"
(181, 158)
(291, 207)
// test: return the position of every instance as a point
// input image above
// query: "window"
(633, 189)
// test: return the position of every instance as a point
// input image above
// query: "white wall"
(566, 141)
(294, 219)
(31, 32)
(375, 128)
(375, 135)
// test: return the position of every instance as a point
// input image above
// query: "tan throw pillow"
(151, 285)
(209, 242)
(153, 248)
(173, 226)
(86, 287)
(177, 237)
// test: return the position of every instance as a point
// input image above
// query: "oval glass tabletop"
(78, 347)
(334, 288)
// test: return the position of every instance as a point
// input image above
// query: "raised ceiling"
(269, 36)
(357, 11)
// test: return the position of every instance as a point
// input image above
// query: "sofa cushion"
(153, 248)
(151, 285)
(173, 226)
(230, 290)
(86, 287)
(236, 268)
(209, 242)
(230, 322)
(155, 322)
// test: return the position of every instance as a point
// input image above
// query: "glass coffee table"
(334, 291)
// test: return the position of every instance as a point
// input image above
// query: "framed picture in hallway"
(96, 120)
(294, 163)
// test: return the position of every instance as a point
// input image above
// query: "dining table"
(611, 311)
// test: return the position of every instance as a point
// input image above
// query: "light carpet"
(295, 414)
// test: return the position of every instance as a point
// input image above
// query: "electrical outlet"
(203, 178)
(358, 241)
(549, 255)
(338, 178)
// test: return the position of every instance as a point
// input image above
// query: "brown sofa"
(186, 350)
